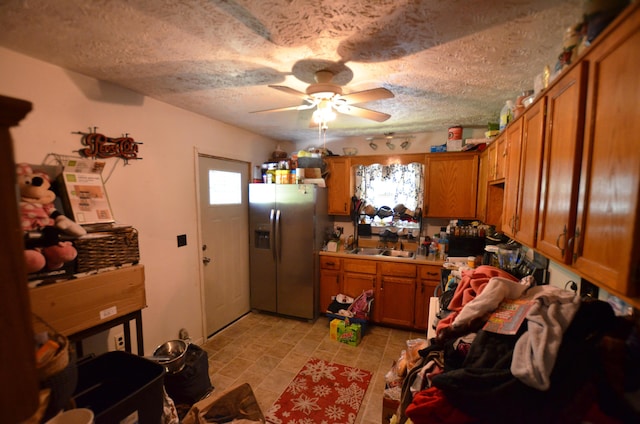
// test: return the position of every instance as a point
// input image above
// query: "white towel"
(536, 350)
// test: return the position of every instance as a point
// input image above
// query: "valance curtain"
(389, 185)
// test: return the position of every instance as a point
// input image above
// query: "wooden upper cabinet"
(483, 185)
(526, 222)
(451, 185)
(497, 158)
(561, 165)
(608, 229)
(524, 138)
(338, 185)
(500, 158)
(513, 134)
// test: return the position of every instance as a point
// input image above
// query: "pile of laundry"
(509, 350)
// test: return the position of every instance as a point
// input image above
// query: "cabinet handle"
(432, 273)
(562, 234)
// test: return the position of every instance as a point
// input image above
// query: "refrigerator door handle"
(278, 240)
(272, 235)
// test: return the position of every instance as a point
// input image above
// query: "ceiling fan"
(327, 97)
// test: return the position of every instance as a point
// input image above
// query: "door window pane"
(225, 188)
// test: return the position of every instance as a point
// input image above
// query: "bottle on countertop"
(506, 114)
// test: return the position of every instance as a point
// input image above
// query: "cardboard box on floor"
(345, 332)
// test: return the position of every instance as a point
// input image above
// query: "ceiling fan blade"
(290, 90)
(365, 113)
(367, 95)
(281, 109)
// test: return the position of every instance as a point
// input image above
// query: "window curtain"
(389, 185)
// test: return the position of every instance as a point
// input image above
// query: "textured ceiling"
(447, 62)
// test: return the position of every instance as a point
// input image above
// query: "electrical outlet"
(118, 341)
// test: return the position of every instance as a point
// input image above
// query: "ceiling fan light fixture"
(324, 113)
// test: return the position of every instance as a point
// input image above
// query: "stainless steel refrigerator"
(287, 223)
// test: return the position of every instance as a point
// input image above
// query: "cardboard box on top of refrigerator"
(349, 333)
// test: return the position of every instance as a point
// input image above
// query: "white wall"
(157, 195)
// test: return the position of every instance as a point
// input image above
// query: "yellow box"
(333, 329)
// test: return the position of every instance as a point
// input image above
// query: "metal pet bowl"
(172, 355)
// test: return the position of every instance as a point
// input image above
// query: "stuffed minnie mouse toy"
(43, 223)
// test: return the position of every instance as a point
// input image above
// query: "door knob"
(206, 260)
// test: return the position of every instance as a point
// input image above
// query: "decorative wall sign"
(103, 147)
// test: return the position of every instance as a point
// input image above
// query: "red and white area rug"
(322, 393)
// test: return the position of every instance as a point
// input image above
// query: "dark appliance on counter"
(461, 246)
(287, 223)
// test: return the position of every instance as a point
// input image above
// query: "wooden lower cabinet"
(401, 290)
(360, 275)
(428, 280)
(330, 281)
(396, 293)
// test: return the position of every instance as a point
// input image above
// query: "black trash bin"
(121, 387)
(192, 383)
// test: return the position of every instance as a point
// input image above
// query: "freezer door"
(295, 250)
(262, 264)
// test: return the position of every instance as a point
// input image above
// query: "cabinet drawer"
(330, 262)
(430, 272)
(398, 269)
(362, 266)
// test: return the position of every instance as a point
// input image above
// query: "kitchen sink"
(374, 251)
(370, 251)
(398, 253)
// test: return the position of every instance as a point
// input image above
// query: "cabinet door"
(396, 301)
(354, 284)
(483, 182)
(561, 165)
(451, 185)
(512, 177)
(329, 286)
(429, 279)
(424, 292)
(492, 157)
(338, 186)
(608, 227)
(500, 158)
(526, 222)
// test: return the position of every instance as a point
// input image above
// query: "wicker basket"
(60, 359)
(107, 249)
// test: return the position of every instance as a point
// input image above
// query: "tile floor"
(267, 351)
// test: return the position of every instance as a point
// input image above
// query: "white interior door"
(225, 240)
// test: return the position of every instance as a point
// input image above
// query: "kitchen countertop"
(418, 260)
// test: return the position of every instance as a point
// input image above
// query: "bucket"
(455, 133)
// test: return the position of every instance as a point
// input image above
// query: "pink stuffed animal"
(40, 217)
